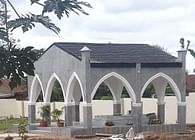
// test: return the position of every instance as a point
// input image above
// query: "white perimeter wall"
(11, 107)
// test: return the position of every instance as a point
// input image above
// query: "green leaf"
(34, 1)
(12, 84)
(28, 22)
(192, 52)
(85, 4)
(15, 63)
(59, 7)
(46, 21)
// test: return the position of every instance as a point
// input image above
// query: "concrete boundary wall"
(11, 107)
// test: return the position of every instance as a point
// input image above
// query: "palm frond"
(59, 7)
(28, 22)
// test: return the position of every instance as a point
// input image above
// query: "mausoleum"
(81, 68)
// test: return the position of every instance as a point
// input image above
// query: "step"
(39, 131)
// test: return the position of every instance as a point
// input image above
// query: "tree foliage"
(16, 62)
(149, 92)
(104, 93)
(192, 52)
(28, 22)
(58, 7)
(57, 95)
(3, 35)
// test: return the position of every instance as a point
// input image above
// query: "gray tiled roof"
(119, 53)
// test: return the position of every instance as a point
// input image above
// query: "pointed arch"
(109, 87)
(123, 80)
(50, 86)
(70, 87)
(170, 81)
(36, 87)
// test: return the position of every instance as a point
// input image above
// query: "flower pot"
(60, 124)
(43, 123)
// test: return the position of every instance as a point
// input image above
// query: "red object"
(60, 124)
(43, 123)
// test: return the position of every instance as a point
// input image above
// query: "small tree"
(22, 127)
(44, 112)
(56, 113)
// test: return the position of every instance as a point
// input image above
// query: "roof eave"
(133, 65)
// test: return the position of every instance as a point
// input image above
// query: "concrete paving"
(16, 136)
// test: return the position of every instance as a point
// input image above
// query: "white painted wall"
(11, 107)
(102, 107)
(191, 108)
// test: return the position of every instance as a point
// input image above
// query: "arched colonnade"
(74, 92)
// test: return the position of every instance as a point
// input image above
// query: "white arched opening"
(71, 85)
(165, 105)
(35, 89)
(49, 87)
(123, 80)
(169, 80)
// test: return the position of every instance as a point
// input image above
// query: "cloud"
(153, 22)
(24, 7)
(116, 6)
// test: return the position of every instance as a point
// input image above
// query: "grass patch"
(7, 124)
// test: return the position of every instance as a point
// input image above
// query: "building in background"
(19, 92)
(190, 83)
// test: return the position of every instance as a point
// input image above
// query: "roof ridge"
(118, 43)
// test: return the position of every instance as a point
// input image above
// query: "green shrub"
(44, 112)
(7, 124)
(56, 113)
(22, 127)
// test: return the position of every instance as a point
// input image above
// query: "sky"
(155, 22)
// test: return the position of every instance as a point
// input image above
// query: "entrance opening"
(160, 98)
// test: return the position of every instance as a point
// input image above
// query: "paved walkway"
(15, 135)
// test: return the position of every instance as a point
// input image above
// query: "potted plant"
(56, 113)
(44, 113)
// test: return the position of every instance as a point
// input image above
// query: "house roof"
(120, 53)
